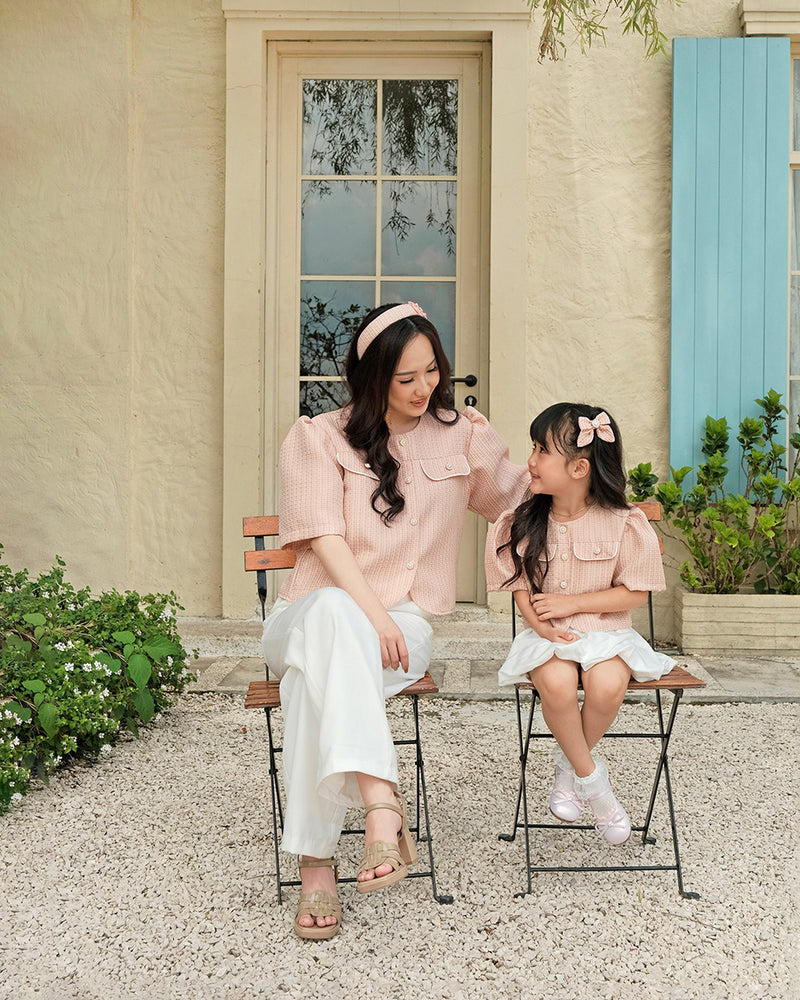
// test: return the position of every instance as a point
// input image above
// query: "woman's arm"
(618, 598)
(522, 599)
(337, 557)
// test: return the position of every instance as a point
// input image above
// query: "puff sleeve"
(500, 566)
(639, 565)
(496, 484)
(309, 470)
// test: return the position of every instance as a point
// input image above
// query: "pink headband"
(601, 424)
(379, 324)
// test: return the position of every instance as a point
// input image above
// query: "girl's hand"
(394, 652)
(547, 606)
(553, 634)
(542, 628)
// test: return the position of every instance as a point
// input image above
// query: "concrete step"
(470, 632)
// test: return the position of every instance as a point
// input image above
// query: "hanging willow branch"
(587, 20)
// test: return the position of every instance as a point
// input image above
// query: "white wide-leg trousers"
(333, 692)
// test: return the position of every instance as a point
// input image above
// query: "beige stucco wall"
(111, 313)
(111, 194)
(600, 131)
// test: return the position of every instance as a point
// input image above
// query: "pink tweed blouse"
(602, 549)
(444, 470)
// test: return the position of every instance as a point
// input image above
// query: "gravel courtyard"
(150, 873)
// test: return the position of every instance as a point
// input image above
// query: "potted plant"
(742, 577)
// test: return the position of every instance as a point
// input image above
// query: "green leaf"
(124, 637)
(48, 718)
(160, 647)
(33, 685)
(21, 711)
(145, 706)
(34, 618)
(139, 669)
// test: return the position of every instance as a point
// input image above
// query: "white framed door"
(376, 174)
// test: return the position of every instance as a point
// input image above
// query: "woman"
(373, 501)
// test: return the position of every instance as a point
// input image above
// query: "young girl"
(578, 558)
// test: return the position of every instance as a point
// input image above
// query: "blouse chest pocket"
(595, 551)
(352, 463)
(447, 467)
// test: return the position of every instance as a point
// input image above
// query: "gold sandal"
(380, 852)
(318, 904)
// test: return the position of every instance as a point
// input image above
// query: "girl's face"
(550, 469)
(412, 384)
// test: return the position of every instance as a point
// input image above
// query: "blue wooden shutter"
(730, 230)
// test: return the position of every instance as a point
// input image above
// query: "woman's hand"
(337, 557)
(394, 653)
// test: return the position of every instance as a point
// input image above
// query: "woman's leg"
(604, 687)
(557, 684)
(335, 728)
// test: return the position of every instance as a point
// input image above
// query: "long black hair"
(369, 379)
(606, 484)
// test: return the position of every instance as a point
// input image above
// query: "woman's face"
(413, 382)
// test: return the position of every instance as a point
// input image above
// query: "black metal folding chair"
(266, 695)
(676, 682)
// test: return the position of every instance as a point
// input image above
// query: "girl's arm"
(618, 598)
(337, 557)
(523, 601)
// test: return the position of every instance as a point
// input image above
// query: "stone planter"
(738, 624)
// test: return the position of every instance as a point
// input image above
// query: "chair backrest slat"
(266, 525)
(269, 559)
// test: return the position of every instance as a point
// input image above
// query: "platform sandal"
(380, 852)
(318, 904)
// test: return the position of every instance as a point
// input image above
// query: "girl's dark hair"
(369, 379)
(606, 484)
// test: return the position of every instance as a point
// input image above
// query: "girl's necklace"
(569, 517)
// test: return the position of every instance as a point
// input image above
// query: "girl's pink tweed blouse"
(602, 549)
(444, 469)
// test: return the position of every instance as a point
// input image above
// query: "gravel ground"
(150, 874)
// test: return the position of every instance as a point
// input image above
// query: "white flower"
(105, 693)
(60, 645)
(166, 615)
(106, 750)
(16, 798)
(69, 667)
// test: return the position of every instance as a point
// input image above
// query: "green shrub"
(735, 540)
(76, 670)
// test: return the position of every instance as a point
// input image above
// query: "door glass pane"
(340, 134)
(436, 298)
(321, 397)
(330, 312)
(419, 227)
(406, 201)
(796, 103)
(794, 329)
(420, 126)
(337, 234)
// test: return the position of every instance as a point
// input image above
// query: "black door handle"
(469, 380)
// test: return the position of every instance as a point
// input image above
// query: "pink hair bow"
(601, 424)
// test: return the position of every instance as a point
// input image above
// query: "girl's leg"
(604, 687)
(557, 684)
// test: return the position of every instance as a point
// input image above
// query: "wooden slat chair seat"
(266, 695)
(676, 681)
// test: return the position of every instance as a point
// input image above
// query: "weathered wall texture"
(112, 196)
(600, 137)
(112, 192)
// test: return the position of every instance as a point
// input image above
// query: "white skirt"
(333, 691)
(529, 650)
